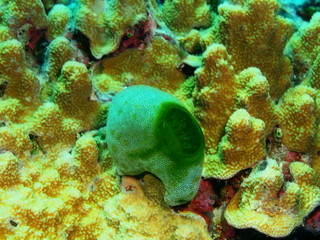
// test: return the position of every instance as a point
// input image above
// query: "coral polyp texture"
(265, 200)
(239, 71)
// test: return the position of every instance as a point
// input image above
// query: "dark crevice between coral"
(312, 222)
(298, 233)
(35, 145)
(137, 36)
(308, 9)
(48, 7)
(40, 49)
(187, 69)
(160, 2)
(13, 223)
(83, 43)
(300, 71)
(3, 87)
(226, 189)
(81, 133)
(34, 41)
(214, 4)
(197, 50)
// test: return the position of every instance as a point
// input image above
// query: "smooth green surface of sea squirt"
(149, 130)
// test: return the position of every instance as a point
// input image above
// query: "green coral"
(151, 131)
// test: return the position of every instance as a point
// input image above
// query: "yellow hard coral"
(216, 84)
(313, 76)
(305, 43)
(10, 110)
(5, 33)
(191, 41)
(251, 22)
(255, 98)
(63, 203)
(154, 189)
(15, 138)
(296, 116)
(110, 21)
(18, 12)
(59, 17)
(59, 52)
(265, 200)
(9, 172)
(183, 15)
(121, 214)
(157, 66)
(58, 182)
(86, 153)
(52, 129)
(48, 182)
(316, 155)
(72, 92)
(22, 83)
(240, 148)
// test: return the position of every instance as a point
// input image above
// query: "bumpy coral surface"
(249, 76)
(265, 200)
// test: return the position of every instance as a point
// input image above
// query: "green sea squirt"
(149, 130)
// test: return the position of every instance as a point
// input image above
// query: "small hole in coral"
(3, 87)
(33, 137)
(187, 70)
(83, 43)
(263, 166)
(13, 223)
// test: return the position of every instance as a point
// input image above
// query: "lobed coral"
(265, 200)
(246, 73)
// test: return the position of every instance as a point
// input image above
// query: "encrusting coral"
(182, 16)
(265, 200)
(248, 76)
(59, 17)
(243, 141)
(297, 118)
(251, 22)
(21, 81)
(156, 65)
(109, 22)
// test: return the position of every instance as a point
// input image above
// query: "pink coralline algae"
(202, 203)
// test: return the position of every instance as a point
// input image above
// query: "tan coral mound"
(156, 219)
(109, 26)
(157, 65)
(243, 141)
(52, 195)
(255, 37)
(216, 84)
(265, 200)
(297, 120)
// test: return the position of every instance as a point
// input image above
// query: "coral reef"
(247, 73)
(265, 200)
